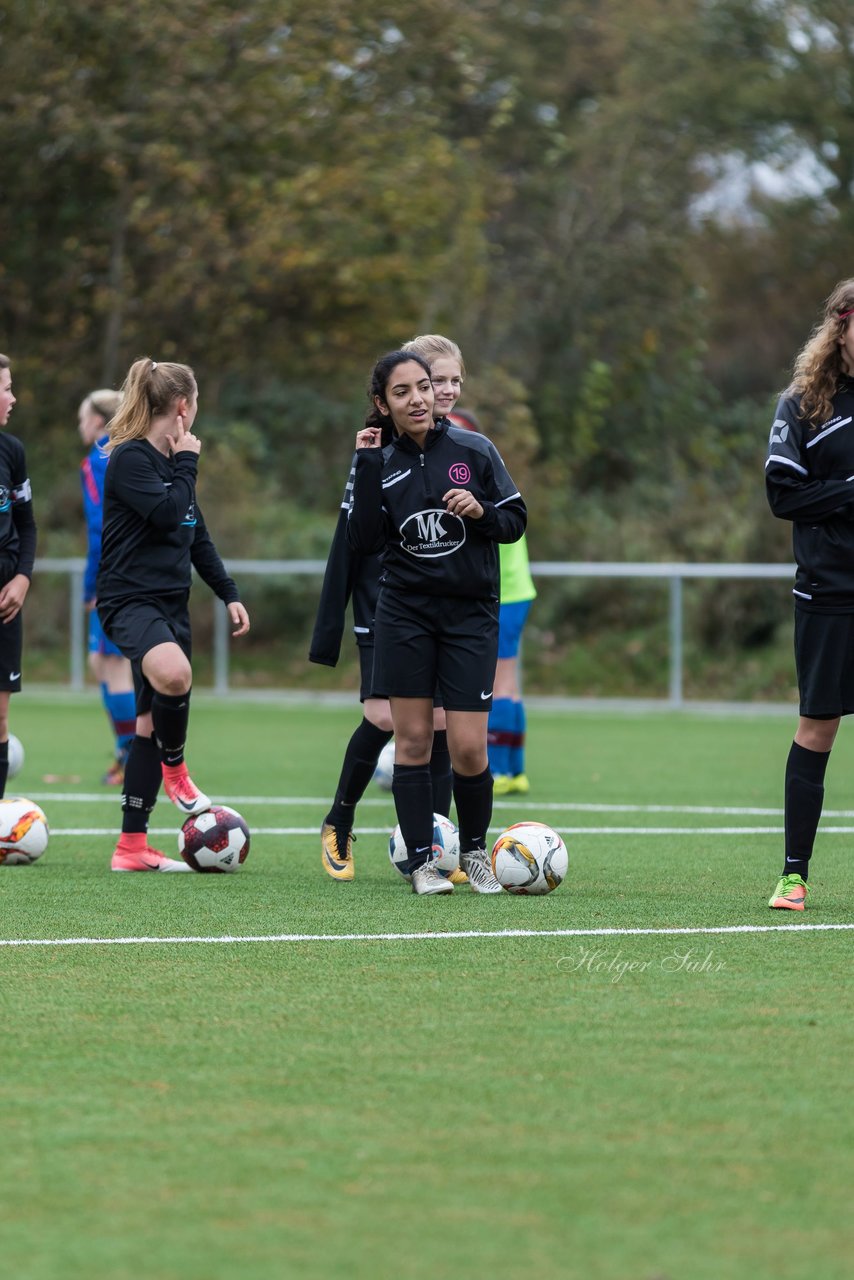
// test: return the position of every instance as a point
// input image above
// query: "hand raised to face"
(369, 438)
(183, 440)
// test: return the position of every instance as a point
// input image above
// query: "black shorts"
(11, 647)
(366, 676)
(824, 658)
(428, 644)
(138, 626)
(366, 672)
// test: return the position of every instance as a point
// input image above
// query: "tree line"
(626, 211)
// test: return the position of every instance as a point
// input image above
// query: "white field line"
(565, 831)
(449, 935)
(518, 802)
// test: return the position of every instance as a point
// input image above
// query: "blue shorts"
(511, 621)
(98, 642)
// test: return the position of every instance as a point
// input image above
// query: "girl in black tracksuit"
(153, 535)
(17, 556)
(435, 501)
(809, 476)
(350, 576)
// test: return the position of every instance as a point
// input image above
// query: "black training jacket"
(348, 576)
(154, 529)
(809, 479)
(17, 524)
(397, 509)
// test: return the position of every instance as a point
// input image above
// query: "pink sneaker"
(182, 791)
(146, 859)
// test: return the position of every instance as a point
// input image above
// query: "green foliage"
(277, 193)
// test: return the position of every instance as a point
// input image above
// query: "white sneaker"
(429, 879)
(477, 868)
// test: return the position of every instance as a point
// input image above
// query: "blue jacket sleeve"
(92, 483)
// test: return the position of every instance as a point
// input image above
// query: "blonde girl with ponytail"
(154, 535)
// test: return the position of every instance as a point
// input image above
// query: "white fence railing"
(675, 574)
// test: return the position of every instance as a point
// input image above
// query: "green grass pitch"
(570, 1103)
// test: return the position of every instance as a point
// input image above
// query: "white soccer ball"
(23, 832)
(215, 840)
(384, 772)
(16, 756)
(529, 858)
(446, 847)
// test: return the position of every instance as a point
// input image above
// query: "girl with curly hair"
(809, 477)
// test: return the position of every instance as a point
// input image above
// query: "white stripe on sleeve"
(787, 462)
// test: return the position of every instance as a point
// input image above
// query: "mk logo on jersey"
(430, 527)
(5, 498)
(190, 517)
(434, 532)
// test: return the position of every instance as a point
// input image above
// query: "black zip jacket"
(397, 508)
(348, 576)
(154, 529)
(17, 523)
(809, 479)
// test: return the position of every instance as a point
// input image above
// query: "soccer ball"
(16, 756)
(23, 832)
(446, 847)
(215, 840)
(529, 858)
(384, 772)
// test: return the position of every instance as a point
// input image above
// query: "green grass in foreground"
(618, 1107)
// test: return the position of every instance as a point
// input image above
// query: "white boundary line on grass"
(515, 802)
(429, 935)
(567, 831)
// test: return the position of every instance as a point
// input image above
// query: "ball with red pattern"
(529, 858)
(23, 832)
(215, 840)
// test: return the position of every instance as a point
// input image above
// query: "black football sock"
(413, 799)
(143, 776)
(171, 715)
(473, 798)
(4, 766)
(804, 798)
(440, 771)
(360, 761)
